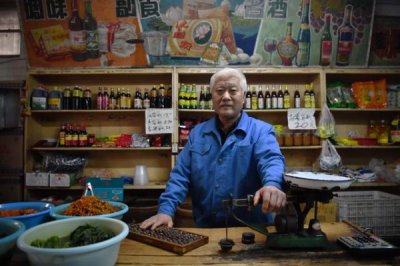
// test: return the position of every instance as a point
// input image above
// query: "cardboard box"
(60, 180)
(37, 179)
(107, 188)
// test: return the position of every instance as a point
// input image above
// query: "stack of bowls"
(30, 220)
(10, 230)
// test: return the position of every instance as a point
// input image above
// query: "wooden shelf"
(346, 110)
(100, 149)
(95, 111)
(369, 147)
(79, 187)
(246, 110)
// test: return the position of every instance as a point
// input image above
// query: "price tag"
(159, 121)
(301, 118)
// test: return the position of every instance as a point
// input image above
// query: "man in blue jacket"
(230, 154)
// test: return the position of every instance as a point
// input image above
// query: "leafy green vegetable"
(88, 234)
(81, 236)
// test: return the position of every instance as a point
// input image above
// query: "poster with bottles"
(82, 33)
(136, 33)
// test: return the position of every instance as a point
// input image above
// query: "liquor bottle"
(161, 96)
(77, 34)
(286, 98)
(181, 94)
(268, 104)
(280, 98)
(193, 97)
(326, 43)
(66, 102)
(138, 101)
(68, 135)
(87, 99)
(82, 136)
(118, 99)
(105, 99)
(307, 100)
(168, 102)
(146, 99)
(153, 97)
(248, 99)
(74, 134)
(274, 99)
(312, 97)
(345, 38)
(113, 100)
(202, 100)
(261, 100)
(209, 103)
(61, 136)
(122, 99)
(99, 99)
(297, 99)
(288, 47)
(254, 98)
(304, 36)
(128, 99)
(76, 100)
(372, 130)
(92, 37)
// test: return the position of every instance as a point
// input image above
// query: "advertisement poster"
(137, 33)
(82, 33)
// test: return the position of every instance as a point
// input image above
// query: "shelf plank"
(87, 111)
(79, 187)
(99, 149)
(247, 110)
(346, 110)
(369, 147)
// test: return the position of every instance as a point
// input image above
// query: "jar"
(298, 139)
(306, 139)
(315, 140)
(288, 140)
(279, 139)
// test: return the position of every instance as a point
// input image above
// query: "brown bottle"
(77, 34)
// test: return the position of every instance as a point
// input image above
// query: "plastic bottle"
(54, 99)
(39, 98)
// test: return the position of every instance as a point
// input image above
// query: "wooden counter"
(137, 253)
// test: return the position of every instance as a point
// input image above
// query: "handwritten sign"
(301, 118)
(159, 121)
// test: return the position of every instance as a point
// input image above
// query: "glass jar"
(306, 139)
(279, 139)
(298, 139)
(315, 140)
(288, 140)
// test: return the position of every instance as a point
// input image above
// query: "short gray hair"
(229, 71)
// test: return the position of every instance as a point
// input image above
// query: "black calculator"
(368, 245)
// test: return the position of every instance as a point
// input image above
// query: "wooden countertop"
(137, 253)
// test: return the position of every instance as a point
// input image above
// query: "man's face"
(227, 97)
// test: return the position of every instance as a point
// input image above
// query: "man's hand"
(272, 198)
(157, 220)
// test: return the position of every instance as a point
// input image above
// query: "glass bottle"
(261, 100)
(307, 100)
(128, 99)
(161, 96)
(254, 98)
(312, 96)
(268, 104)
(372, 130)
(113, 100)
(383, 133)
(181, 94)
(274, 99)
(68, 135)
(193, 97)
(87, 99)
(288, 47)
(99, 99)
(92, 37)
(326, 43)
(304, 36)
(77, 34)
(153, 97)
(345, 38)
(61, 136)
(280, 98)
(146, 99)
(297, 99)
(168, 103)
(202, 100)
(286, 98)
(66, 101)
(248, 99)
(105, 99)
(82, 136)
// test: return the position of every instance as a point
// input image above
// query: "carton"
(107, 188)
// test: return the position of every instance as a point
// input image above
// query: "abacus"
(167, 238)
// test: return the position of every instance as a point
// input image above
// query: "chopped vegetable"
(89, 206)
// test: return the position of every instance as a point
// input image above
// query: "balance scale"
(306, 188)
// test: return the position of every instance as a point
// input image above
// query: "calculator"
(368, 245)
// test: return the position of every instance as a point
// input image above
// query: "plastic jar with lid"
(306, 139)
(298, 139)
(288, 139)
(54, 99)
(39, 98)
(279, 138)
(315, 140)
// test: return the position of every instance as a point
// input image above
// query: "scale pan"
(313, 180)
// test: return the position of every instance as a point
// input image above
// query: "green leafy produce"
(88, 234)
(81, 236)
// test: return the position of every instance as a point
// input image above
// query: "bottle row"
(78, 98)
(278, 100)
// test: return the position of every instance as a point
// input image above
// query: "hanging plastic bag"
(326, 124)
(329, 158)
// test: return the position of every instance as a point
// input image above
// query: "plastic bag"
(329, 158)
(326, 124)
(63, 163)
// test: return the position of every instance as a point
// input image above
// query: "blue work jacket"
(249, 159)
